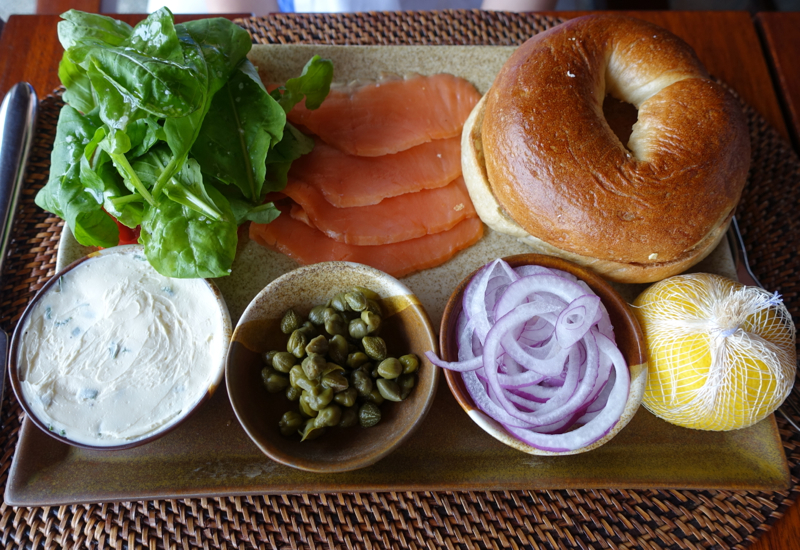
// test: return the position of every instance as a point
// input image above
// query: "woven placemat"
(501, 519)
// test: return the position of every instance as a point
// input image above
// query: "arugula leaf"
(243, 124)
(65, 193)
(224, 46)
(78, 86)
(155, 37)
(313, 84)
(164, 89)
(293, 145)
(183, 243)
(80, 29)
(143, 133)
(244, 211)
(184, 187)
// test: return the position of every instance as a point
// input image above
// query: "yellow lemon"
(721, 355)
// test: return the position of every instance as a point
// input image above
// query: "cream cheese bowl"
(111, 355)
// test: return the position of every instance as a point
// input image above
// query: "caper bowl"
(404, 327)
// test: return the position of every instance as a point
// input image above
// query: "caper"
(317, 315)
(349, 417)
(283, 361)
(356, 301)
(311, 430)
(390, 368)
(273, 380)
(406, 383)
(375, 307)
(290, 422)
(371, 320)
(313, 366)
(410, 363)
(327, 313)
(319, 398)
(361, 381)
(375, 396)
(368, 293)
(329, 416)
(335, 381)
(389, 389)
(299, 379)
(297, 343)
(346, 398)
(267, 357)
(305, 407)
(369, 414)
(357, 329)
(339, 302)
(317, 345)
(290, 322)
(355, 360)
(337, 349)
(335, 324)
(293, 394)
(332, 367)
(374, 347)
(310, 329)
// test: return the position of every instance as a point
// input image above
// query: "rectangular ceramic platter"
(210, 455)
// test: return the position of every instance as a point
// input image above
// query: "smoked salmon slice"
(390, 115)
(349, 180)
(400, 218)
(307, 245)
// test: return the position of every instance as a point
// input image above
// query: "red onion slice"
(576, 319)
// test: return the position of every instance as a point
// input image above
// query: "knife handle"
(17, 119)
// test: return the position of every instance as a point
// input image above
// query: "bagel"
(543, 164)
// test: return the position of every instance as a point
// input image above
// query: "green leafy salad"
(168, 127)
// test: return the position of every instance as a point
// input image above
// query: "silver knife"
(17, 120)
(746, 277)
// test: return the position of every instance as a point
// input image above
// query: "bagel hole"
(621, 117)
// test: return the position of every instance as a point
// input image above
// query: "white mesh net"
(722, 355)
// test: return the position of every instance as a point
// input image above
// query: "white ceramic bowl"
(89, 374)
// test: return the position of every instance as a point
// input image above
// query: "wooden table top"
(727, 42)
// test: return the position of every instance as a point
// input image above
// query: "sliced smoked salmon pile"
(349, 180)
(383, 185)
(394, 219)
(307, 245)
(390, 115)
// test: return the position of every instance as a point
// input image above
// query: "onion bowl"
(405, 327)
(628, 335)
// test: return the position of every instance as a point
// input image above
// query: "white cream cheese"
(114, 351)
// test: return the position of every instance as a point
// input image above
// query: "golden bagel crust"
(557, 169)
(495, 216)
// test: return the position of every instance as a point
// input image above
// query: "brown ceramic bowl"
(406, 329)
(629, 336)
(217, 333)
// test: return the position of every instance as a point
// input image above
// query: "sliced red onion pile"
(537, 353)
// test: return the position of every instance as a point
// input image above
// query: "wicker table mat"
(500, 519)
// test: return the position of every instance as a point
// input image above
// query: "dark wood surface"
(781, 39)
(727, 42)
(781, 42)
(55, 7)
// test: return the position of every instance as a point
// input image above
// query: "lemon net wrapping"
(722, 355)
